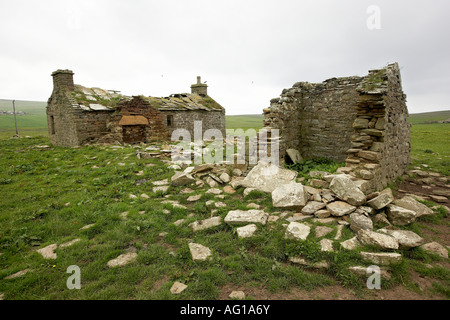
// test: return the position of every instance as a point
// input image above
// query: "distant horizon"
(240, 114)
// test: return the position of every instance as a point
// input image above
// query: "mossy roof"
(95, 99)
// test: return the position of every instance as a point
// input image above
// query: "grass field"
(48, 194)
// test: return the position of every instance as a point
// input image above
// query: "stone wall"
(209, 119)
(62, 130)
(316, 119)
(381, 145)
(157, 121)
(359, 120)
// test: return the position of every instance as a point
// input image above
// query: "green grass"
(430, 145)
(47, 195)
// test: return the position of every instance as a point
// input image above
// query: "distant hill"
(429, 117)
(30, 107)
(33, 123)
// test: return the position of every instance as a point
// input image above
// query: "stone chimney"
(199, 88)
(63, 78)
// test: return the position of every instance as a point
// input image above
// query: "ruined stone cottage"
(77, 115)
(362, 121)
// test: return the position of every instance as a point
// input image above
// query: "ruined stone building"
(362, 121)
(77, 115)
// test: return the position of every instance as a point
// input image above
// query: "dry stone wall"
(360, 120)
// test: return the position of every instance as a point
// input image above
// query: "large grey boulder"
(294, 155)
(382, 258)
(206, 224)
(412, 204)
(340, 208)
(298, 231)
(250, 216)
(267, 177)
(385, 198)
(360, 221)
(436, 248)
(246, 231)
(400, 216)
(291, 195)
(406, 239)
(199, 252)
(377, 239)
(347, 190)
(312, 207)
(181, 179)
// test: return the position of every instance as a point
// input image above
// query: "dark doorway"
(133, 134)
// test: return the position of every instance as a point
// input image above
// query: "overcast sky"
(247, 51)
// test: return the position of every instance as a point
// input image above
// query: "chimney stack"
(63, 78)
(199, 88)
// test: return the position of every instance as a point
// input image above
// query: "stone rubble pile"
(339, 201)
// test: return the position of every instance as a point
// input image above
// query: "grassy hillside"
(429, 117)
(34, 123)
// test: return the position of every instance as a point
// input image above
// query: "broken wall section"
(316, 119)
(380, 147)
(359, 120)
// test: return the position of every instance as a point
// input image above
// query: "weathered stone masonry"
(359, 120)
(77, 115)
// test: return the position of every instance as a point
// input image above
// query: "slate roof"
(96, 99)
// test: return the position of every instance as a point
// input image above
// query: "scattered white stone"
(400, 216)
(48, 251)
(122, 260)
(194, 198)
(161, 182)
(179, 222)
(359, 221)
(124, 215)
(214, 191)
(239, 295)
(385, 198)
(199, 252)
(206, 224)
(325, 213)
(339, 232)
(312, 207)
(145, 196)
(220, 204)
(351, 244)
(298, 231)
(250, 216)
(436, 248)
(383, 258)
(68, 244)
(322, 231)
(377, 239)
(347, 190)
(290, 196)
(17, 274)
(363, 271)
(412, 204)
(246, 231)
(229, 190)
(178, 288)
(406, 239)
(326, 245)
(340, 208)
(225, 177)
(253, 206)
(267, 177)
(132, 196)
(87, 226)
(181, 179)
(160, 188)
